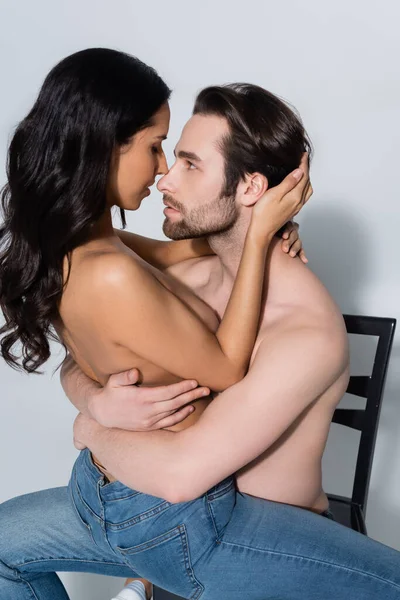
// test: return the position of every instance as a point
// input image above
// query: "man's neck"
(228, 246)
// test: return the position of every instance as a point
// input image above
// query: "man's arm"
(237, 427)
(78, 387)
(122, 404)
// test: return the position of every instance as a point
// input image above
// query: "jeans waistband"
(108, 491)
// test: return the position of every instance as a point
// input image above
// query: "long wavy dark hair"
(58, 166)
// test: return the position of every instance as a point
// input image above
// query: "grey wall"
(338, 64)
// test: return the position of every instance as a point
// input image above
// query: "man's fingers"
(125, 378)
(179, 401)
(173, 419)
(168, 392)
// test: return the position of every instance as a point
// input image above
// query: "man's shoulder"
(194, 271)
(311, 332)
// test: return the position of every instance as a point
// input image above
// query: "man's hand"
(122, 404)
(84, 427)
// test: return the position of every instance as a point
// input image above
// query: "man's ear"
(252, 188)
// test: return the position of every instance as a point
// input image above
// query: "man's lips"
(168, 205)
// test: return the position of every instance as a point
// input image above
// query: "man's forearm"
(77, 386)
(180, 466)
(147, 461)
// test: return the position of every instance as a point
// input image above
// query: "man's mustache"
(172, 203)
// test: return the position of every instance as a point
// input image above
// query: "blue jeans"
(223, 545)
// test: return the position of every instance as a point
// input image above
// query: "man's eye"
(191, 166)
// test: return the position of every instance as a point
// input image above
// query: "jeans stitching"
(150, 544)
(314, 560)
(222, 492)
(86, 525)
(118, 499)
(213, 520)
(78, 491)
(180, 533)
(31, 589)
(188, 563)
(79, 560)
(139, 518)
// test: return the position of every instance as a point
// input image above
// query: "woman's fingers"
(293, 237)
(308, 192)
(295, 249)
(303, 256)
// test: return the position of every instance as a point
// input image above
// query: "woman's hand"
(279, 204)
(291, 242)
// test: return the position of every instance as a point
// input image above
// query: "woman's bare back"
(89, 342)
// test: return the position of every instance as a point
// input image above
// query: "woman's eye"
(155, 150)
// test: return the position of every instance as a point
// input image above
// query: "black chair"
(159, 594)
(351, 511)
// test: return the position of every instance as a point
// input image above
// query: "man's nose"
(163, 184)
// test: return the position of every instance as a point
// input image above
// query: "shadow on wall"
(338, 250)
(340, 254)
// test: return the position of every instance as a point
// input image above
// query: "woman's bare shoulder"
(113, 271)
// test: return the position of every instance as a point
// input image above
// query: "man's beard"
(213, 218)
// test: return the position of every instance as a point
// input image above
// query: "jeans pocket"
(220, 506)
(165, 561)
(77, 505)
(125, 511)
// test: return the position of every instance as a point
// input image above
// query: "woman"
(92, 141)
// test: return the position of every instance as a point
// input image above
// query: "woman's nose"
(162, 165)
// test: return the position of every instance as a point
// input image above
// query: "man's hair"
(265, 135)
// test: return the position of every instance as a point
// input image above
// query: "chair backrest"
(370, 387)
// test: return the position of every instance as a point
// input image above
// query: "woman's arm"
(163, 253)
(140, 314)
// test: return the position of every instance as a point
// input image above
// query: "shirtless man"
(271, 428)
(279, 414)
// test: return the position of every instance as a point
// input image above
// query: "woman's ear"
(252, 188)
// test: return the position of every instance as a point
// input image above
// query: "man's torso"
(290, 470)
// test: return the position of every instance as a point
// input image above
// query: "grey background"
(337, 63)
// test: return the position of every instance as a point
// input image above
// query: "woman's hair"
(58, 166)
(265, 135)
